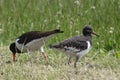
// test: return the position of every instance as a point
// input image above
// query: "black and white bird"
(77, 46)
(32, 41)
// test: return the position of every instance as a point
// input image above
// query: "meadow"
(101, 63)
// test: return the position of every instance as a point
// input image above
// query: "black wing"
(81, 45)
(29, 36)
(77, 42)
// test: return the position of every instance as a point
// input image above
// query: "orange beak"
(95, 34)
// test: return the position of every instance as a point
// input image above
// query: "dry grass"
(28, 68)
(19, 16)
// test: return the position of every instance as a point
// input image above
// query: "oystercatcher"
(77, 46)
(32, 41)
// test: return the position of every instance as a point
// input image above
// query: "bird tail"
(54, 46)
(58, 31)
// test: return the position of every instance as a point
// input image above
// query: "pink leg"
(44, 55)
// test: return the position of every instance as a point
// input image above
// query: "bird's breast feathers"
(72, 50)
(32, 45)
(83, 52)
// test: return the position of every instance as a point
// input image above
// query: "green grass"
(19, 16)
(93, 66)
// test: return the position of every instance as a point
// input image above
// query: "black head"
(88, 30)
(13, 48)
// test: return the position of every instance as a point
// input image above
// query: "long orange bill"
(95, 34)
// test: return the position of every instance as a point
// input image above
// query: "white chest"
(77, 52)
(33, 45)
(82, 53)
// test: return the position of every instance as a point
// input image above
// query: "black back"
(29, 36)
(78, 42)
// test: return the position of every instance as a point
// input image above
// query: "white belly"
(75, 52)
(82, 53)
(31, 46)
